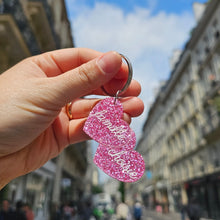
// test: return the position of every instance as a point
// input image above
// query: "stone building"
(30, 27)
(181, 136)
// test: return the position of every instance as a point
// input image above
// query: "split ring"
(130, 75)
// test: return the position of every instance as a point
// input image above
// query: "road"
(152, 215)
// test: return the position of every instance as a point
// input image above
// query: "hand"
(33, 94)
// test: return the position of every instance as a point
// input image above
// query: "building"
(30, 27)
(181, 136)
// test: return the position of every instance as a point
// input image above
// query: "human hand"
(33, 94)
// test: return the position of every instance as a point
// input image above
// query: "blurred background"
(174, 47)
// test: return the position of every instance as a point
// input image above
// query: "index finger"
(56, 62)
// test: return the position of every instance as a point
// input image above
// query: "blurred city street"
(172, 145)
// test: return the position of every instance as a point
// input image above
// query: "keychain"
(115, 154)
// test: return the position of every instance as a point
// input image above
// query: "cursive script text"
(118, 131)
(122, 163)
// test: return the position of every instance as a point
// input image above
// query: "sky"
(146, 31)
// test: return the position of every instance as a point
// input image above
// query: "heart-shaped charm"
(106, 126)
(123, 165)
(115, 154)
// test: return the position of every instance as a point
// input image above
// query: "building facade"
(30, 27)
(181, 136)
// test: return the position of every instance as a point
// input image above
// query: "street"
(153, 215)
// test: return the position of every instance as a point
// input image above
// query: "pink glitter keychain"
(106, 126)
(115, 154)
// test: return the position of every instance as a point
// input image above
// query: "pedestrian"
(67, 211)
(6, 212)
(183, 210)
(87, 210)
(193, 209)
(137, 210)
(28, 212)
(36, 121)
(55, 212)
(122, 211)
(19, 213)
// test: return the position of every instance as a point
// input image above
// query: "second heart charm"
(126, 166)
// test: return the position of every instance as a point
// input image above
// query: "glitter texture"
(106, 126)
(126, 166)
(115, 154)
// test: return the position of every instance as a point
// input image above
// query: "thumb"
(85, 78)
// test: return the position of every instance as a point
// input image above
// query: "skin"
(33, 94)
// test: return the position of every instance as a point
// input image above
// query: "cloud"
(146, 38)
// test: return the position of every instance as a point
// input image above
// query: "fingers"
(81, 108)
(60, 61)
(76, 133)
(114, 85)
(85, 78)
(85, 71)
(132, 106)
(56, 62)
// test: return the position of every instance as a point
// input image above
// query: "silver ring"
(130, 75)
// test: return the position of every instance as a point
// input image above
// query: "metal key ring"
(130, 75)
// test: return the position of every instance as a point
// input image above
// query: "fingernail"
(109, 62)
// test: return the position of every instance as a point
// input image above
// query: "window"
(191, 167)
(189, 135)
(216, 65)
(186, 105)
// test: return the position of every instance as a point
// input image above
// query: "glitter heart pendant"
(115, 154)
(123, 165)
(106, 126)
